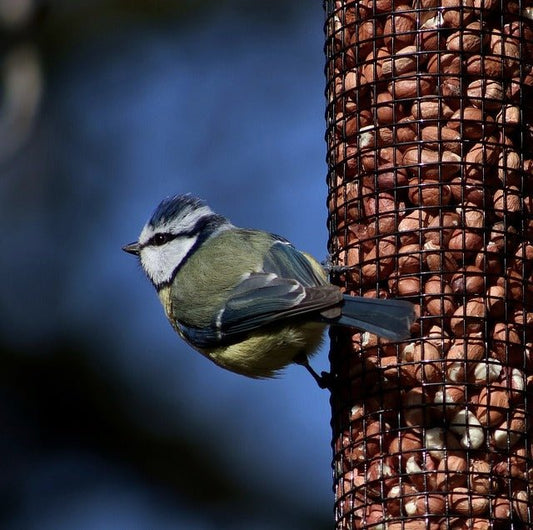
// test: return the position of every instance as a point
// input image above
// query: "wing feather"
(287, 287)
(285, 261)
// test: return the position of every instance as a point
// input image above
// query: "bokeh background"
(107, 420)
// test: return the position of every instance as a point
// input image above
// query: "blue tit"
(247, 299)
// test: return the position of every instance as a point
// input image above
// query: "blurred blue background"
(108, 420)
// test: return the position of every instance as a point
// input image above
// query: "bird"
(249, 300)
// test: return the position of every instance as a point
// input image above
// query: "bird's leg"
(323, 380)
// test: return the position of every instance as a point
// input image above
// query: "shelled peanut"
(431, 199)
(456, 451)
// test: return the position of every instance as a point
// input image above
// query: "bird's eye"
(161, 239)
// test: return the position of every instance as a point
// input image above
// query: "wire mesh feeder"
(430, 153)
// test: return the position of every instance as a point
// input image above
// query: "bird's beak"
(132, 248)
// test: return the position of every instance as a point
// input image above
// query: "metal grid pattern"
(430, 156)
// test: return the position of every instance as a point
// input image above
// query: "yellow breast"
(263, 353)
(269, 350)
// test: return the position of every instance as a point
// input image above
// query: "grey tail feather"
(390, 319)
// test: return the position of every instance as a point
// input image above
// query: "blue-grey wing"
(289, 285)
(285, 261)
(259, 300)
(265, 298)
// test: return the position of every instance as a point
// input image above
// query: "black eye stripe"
(160, 239)
(201, 231)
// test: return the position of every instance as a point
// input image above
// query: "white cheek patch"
(159, 262)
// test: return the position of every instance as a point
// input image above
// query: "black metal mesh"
(430, 155)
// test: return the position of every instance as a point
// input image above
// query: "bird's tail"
(390, 319)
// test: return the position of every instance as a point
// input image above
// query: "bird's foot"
(324, 380)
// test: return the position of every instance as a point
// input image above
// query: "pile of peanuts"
(430, 148)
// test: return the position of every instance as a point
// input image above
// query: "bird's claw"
(324, 380)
